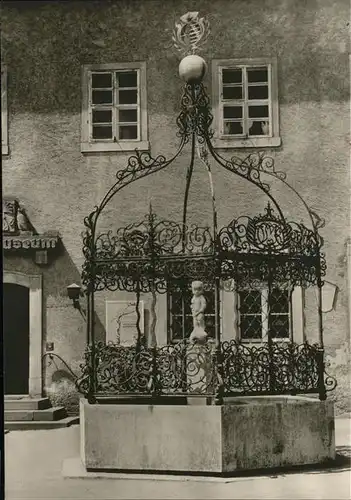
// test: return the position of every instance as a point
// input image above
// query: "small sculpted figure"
(198, 306)
(23, 222)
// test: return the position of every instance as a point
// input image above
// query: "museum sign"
(20, 236)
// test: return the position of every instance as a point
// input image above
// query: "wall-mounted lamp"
(329, 296)
(74, 292)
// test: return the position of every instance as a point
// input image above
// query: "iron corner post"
(321, 354)
(92, 343)
(272, 375)
(321, 372)
(218, 358)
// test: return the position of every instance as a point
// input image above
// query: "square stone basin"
(245, 433)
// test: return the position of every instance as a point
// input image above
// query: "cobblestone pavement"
(33, 465)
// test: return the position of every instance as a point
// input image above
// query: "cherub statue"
(198, 306)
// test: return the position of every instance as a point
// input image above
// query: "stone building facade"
(63, 141)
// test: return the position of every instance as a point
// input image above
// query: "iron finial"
(269, 210)
(151, 216)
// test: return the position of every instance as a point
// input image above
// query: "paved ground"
(33, 463)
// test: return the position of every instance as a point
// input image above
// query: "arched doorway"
(16, 338)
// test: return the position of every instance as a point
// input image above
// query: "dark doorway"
(16, 338)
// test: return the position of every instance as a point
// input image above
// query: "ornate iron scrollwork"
(186, 369)
(249, 249)
(152, 255)
(195, 115)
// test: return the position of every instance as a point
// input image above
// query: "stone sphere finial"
(192, 69)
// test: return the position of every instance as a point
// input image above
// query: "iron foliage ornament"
(195, 116)
(190, 33)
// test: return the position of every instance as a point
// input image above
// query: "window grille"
(260, 312)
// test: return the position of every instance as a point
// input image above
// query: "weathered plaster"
(349, 280)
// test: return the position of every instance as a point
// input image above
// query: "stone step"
(15, 396)
(26, 403)
(49, 414)
(40, 425)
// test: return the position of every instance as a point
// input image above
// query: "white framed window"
(281, 311)
(4, 112)
(245, 103)
(243, 314)
(114, 107)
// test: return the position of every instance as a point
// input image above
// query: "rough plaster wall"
(338, 365)
(44, 47)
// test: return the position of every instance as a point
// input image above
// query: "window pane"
(258, 112)
(257, 74)
(279, 301)
(251, 327)
(188, 326)
(177, 328)
(258, 92)
(250, 302)
(128, 96)
(232, 75)
(102, 116)
(232, 92)
(128, 115)
(102, 97)
(101, 80)
(102, 132)
(128, 132)
(210, 302)
(233, 128)
(259, 127)
(176, 302)
(210, 326)
(127, 79)
(280, 326)
(232, 112)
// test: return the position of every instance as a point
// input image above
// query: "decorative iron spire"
(269, 210)
(150, 208)
(151, 218)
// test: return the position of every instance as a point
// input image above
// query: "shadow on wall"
(338, 366)
(66, 328)
(150, 336)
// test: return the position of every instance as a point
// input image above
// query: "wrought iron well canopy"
(155, 255)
